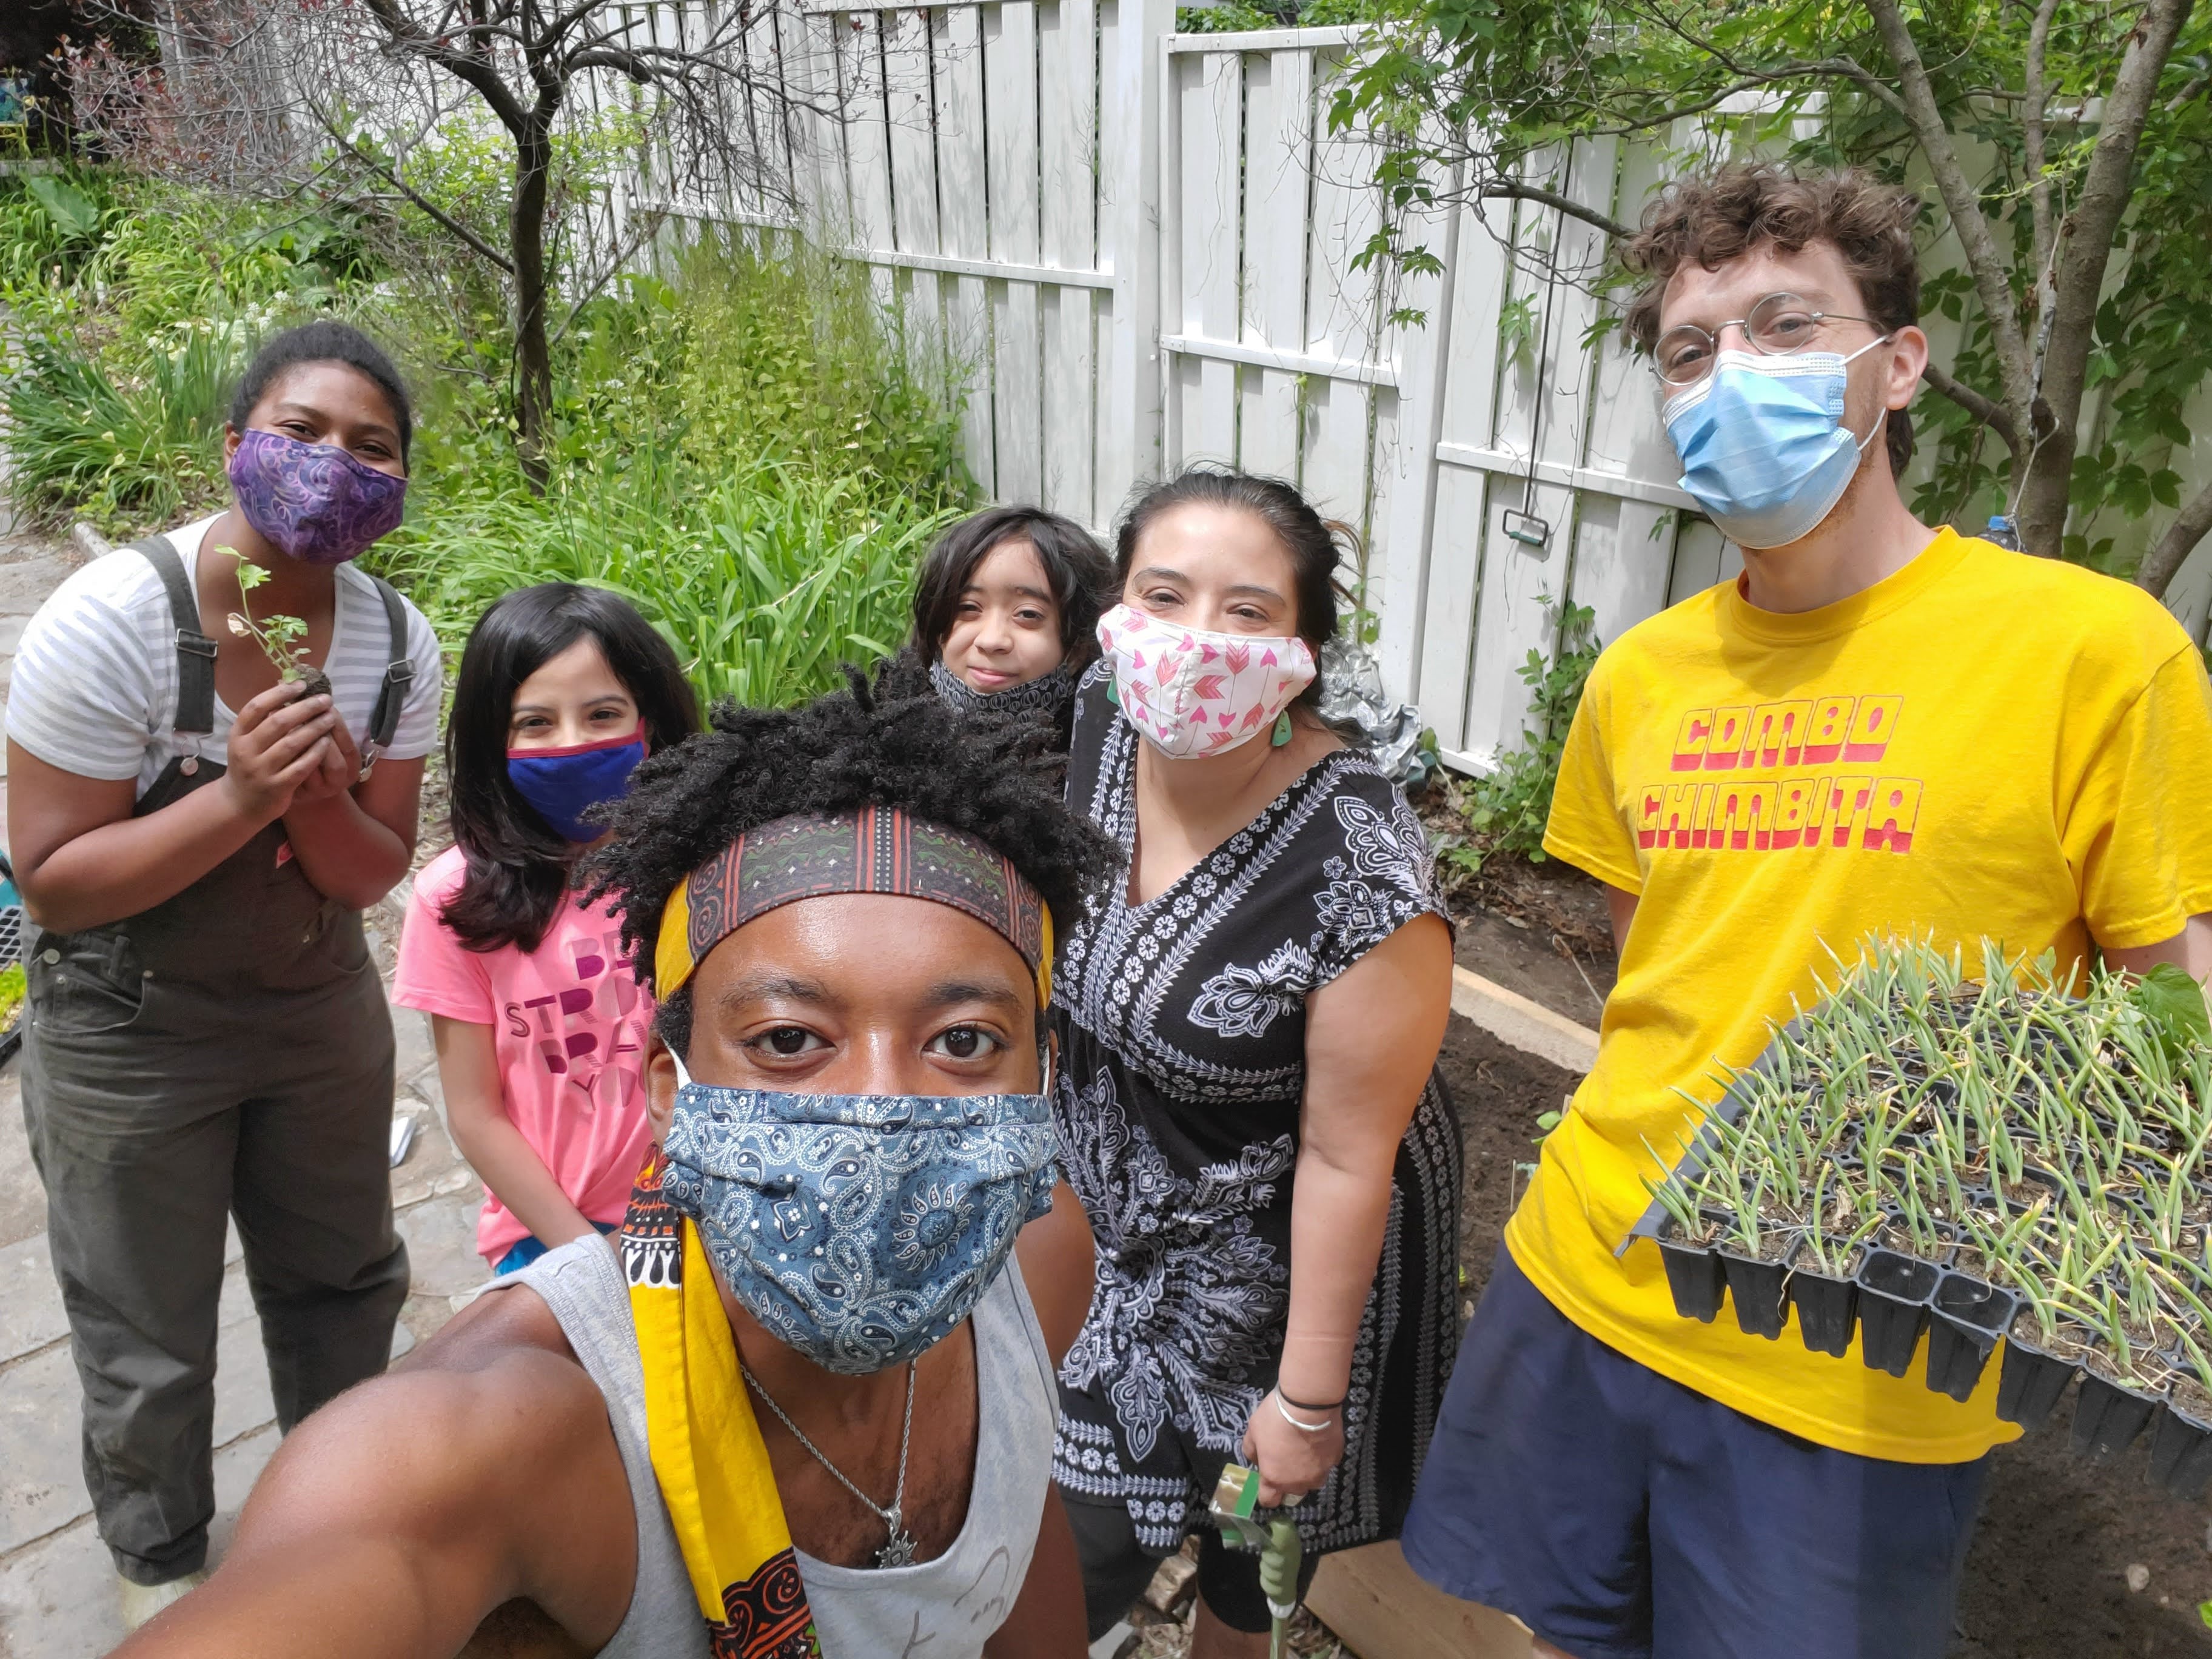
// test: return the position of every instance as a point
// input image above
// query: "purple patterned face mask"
(313, 501)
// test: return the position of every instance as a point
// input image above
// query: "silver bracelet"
(1275, 1394)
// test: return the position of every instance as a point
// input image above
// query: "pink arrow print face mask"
(1192, 693)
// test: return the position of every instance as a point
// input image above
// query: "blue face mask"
(1763, 444)
(860, 1230)
(562, 784)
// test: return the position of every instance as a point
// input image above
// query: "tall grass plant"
(763, 580)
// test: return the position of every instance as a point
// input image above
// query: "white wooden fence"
(1135, 249)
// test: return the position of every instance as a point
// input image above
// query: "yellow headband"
(876, 850)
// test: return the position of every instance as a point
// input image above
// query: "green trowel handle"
(1280, 1560)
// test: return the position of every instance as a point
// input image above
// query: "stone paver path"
(57, 1584)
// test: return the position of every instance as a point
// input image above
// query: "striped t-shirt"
(95, 687)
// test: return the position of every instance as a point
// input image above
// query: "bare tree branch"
(1985, 410)
(1513, 190)
(2171, 550)
(469, 66)
(1985, 259)
(622, 63)
(2035, 102)
(451, 225)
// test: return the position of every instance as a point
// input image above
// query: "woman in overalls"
(207, 1035)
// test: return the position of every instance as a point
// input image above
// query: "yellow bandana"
(707, 1454)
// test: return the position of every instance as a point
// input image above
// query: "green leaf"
(74, 214)
(2174, 1003)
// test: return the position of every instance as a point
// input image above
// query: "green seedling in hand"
(282, 638)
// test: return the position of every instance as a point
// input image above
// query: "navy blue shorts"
(1621, 1515)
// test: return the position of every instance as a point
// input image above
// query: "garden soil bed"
(2048, 1576)
(1541, 929)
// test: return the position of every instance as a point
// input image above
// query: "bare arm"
(1058, 1266)
(2190, 949)
(1047, 1621)
(1371, 1038)
(82, 859)
(354, 840)
(1622, 906)
(476, 1111)
(391, 1521)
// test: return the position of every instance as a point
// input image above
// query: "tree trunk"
(2168, 553)
(533, 359)
(2041, 515)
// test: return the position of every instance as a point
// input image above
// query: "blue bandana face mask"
(1763, 444)
(562, 784)
(860, 1230)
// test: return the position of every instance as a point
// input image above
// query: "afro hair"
(887, 740)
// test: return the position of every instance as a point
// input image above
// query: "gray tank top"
(945, 1608)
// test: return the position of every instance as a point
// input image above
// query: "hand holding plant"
(277, 745)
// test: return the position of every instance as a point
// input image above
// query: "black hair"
(517, 866)
(1074, 563)
(324, 342)
(887, 740)
(1316, 546)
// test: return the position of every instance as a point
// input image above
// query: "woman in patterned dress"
(1246, 1100)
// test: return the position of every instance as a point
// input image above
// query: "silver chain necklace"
(898, 1548)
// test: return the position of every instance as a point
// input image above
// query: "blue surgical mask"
(562, 784)
(860, 1230)
(1763, 444)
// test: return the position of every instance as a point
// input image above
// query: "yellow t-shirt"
(1983, 744)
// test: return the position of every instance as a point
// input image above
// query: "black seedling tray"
(1896, 1296)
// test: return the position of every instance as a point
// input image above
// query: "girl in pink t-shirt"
(539, 1022)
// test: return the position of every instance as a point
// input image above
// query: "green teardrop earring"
(1281, 734)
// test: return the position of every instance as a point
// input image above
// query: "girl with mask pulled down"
(195, 840)
(1248, 1024)
(1005, 610)
(539, 1021)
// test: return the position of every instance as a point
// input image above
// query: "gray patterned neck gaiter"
(1049, 694)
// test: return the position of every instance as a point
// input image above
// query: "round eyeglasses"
(1778, 327)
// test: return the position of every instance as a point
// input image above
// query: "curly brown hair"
(1717, 216)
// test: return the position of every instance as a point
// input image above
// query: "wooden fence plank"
(1278, 159)
(1207, 91)
(1067, 109)
(1621, 562)
(909, 99)
(1340, 316)
(868, 142)
(1130, 237)
(960, 149)
(1010, 89)
(1398, 591)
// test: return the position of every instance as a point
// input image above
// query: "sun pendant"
(899, 1548)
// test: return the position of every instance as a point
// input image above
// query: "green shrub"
(134, 304)
(788, 356)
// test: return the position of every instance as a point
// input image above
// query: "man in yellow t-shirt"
(1879, 728)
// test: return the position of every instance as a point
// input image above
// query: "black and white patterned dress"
(1181, 1026)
